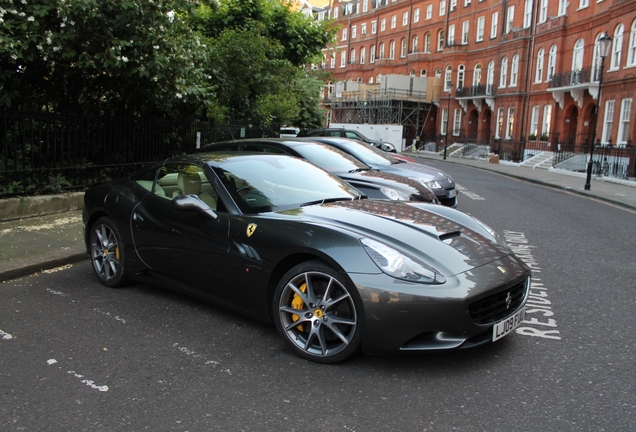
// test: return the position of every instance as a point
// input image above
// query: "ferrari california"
(281, 240)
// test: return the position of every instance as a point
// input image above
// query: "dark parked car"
(438, 181)
(278, 239)
(373, 183)
(348, 133)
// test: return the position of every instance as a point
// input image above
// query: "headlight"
(392, 194)
(399, 265)
(431, 184)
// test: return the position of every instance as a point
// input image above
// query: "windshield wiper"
(330, 200)
(359, 170)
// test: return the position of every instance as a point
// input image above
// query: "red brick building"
(501, 72)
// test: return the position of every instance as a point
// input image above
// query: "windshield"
(369, 154)
(330, 158)
(268, 182)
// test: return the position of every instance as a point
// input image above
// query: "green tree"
(125, 53)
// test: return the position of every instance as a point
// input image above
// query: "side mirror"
(193, 202)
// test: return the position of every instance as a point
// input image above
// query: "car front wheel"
(107, 253)
(317, 313)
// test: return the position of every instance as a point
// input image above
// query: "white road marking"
(469, 194)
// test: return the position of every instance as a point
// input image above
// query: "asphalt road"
(75, 355)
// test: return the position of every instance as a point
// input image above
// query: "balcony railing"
(576, 77)
(476, 90)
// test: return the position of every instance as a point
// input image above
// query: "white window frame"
(393, 21)
(584, 3)
(547, 120)
(503, 73)
(416, 15)
(631, 49)
(608, 121)
(372, 54)
(444, 126)
(440, 40)
(527, 13)
(427, 43)
(451, 35)
(494, 22)
(345, 33)
(374, 27)
(392, 50)
(363, 55)
(383, 24)
(365, 6)
(543, 11)
(510, 18)
(354, 32)
(457, 121)
(352, 56)
(538, 75)
(500, 123)
(363, 29)
(481, 25)
(415, 44)
(403, 48)
(448, 77)
(510, 123)
(534, 121)
(461, 76)
(405, 18)
(563, 6)
(623, 124)
(465, 30)
(429, 11)
(514, 71)
(442, 7)
(617, 47)
(343, 58)
(552, 58)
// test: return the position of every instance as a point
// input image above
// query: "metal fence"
(44, 153)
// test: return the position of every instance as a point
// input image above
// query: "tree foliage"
(237, 60)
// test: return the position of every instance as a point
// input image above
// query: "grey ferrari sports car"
(279, 239)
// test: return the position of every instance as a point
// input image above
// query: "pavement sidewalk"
(35, 244)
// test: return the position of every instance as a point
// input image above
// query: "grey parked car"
(438, 181)
(348, 133)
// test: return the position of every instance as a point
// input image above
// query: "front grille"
(498, 306)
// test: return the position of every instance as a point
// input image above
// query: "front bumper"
(404, 316)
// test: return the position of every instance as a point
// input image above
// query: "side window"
(351, 135)
(184, 179)
(333, 133)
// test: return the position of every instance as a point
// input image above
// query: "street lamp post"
(449, 86)
(604, 45)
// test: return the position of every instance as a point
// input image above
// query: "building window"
(415, 44)
(374, 27)
(344, 33)
(465, 29)
(451, 35)
(352, 58)
(538, 76)
(514, 70)
(617, 46)
(448, 78)
(427, 43)
(429, 11)
(381, 51)
(416, 15)
(444, 126)
(563, 4)
(481, 23)
(333, 61)
(383, 24)
(477, 75)
(623, 126)
(354, 32)
(510, 17)
(335, 12)
(405, 18)
(343, 58)
(403, 48)
(363, 55)
(577, 58)
(527, 13)
(423, 73)
(500, 122)
(442, 7)
(608, 120)
(547, 119)
(440, 40)
(490, 78)
(392, 49)
(510, 123)
(552, 62)
(493, 25)
(631, 53)
(461, 74)
(584, 4)
(453, 5)
(503, 74)
(457, 121)
(534, 121)
(543, 11)
(363, 29)
(365, 6)
(393, 21)
(372, 54)
(466, 3)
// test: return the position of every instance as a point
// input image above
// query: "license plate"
(502, 328)
(452, 193)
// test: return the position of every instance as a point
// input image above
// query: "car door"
(189, 246)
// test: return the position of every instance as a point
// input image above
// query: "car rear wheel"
(317, 313)
(107, 253)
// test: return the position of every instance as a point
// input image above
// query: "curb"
(26, 266)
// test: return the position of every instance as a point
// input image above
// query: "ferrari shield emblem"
(250, 229)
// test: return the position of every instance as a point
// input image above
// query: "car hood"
(451, 241)
(416, 169)
(391, 180)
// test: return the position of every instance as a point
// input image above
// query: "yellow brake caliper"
(297, 303)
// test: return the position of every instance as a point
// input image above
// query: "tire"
(317, 313)
(107, 254)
